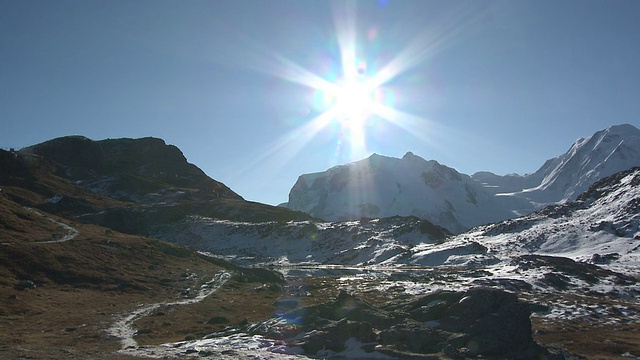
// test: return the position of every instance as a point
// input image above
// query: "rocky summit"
(128, 169)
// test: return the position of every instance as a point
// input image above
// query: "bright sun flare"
(353, 97)
(353, 102)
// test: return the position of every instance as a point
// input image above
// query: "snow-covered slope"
(601, 226)
(306, 242)
(383, 186)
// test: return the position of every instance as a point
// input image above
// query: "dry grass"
(61, 322)
(80, 285)
(233, 304)
(58, 299)
(588, 339)
(603, 333)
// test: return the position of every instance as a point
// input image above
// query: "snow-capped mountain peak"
(606, 152)
(381, 186)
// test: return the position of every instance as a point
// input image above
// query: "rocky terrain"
(99, 260)
(478, 322)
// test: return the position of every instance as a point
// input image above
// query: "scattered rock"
(205, 353)
(252, 275)
(562, 270)
(24, 285)
(516, 285)
(604, 259)
(557, 281)
(272, 287)
(333, 336)
(415, 337)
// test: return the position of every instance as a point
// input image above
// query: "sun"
(350, 102)
(352, 97)
(353, 102)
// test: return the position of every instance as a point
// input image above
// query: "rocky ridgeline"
(477, 323)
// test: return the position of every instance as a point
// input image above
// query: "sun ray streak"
(345, 24)
(425, 46)
(282, 150)
(264, 60)
(293, 72)
(350, 97)
(410, 57)
(412, 124)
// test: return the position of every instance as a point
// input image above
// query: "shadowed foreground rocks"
(481, 322)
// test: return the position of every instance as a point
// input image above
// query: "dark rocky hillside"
(126, 168)
(129, 185)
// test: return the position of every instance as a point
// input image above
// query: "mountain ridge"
(129, 185)
(586, 157)
(458, 201)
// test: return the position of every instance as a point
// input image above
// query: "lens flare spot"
(362, 68)
(372, 34)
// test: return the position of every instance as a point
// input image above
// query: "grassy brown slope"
(595, 341)
(609, 331)
(19, 225)
(235, 304)
(57, 299)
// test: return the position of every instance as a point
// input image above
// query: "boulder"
(334, 336)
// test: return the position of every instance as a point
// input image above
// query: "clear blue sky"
(478, 85)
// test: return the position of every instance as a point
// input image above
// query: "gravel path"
(71, 234)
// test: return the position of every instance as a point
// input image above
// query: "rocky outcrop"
(480, 322)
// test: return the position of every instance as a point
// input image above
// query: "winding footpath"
(236, 346)
(124, 330)
(71, 234)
